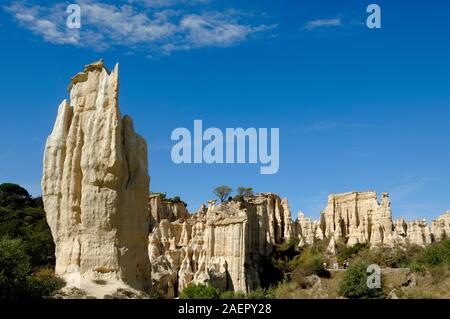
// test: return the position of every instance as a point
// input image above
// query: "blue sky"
(358, 109)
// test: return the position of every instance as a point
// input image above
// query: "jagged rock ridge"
(221, 245)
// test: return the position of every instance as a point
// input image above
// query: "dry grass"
(435, 284)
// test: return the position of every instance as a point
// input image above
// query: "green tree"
(193, 291)
(354, 285)
(222, 192)
(17, 279)
(245, 191)
(13, 195)
(15, 267)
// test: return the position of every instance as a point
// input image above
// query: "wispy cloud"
(168, 3)
(323, 23)
(408, 188)
(162, 29)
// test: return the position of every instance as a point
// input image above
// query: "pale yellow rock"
(220, 245)
(419, 233)
(441, 227)
(165, 209)
(358, 218)
(95, 187)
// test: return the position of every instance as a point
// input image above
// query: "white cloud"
(161, 29)
(322, 23)
(409, 188)
(167, 3)
(45, 23)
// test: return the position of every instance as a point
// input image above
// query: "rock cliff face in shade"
(220, 245)
(95, 187)
(165, 209)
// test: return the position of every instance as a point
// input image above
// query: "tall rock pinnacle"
(95, 186)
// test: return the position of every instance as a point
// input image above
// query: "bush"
(15, 268)
(199, 292)
(346, 252)
(44, 283)
(17, 280)
(418, 268)
(259, 294)
(437, 254)
(354, 285)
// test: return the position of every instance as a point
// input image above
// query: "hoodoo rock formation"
(358, 217)
(220, 245)
(110, 233)
(161, 209)
(95, 187)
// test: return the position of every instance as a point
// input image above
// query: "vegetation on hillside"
(27, 251)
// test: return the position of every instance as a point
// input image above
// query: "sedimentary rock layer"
(359, 217)
(95, 186)
(165, 209)
(221, 245)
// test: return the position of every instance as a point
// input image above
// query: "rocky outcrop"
(418, 233)
(165, 209)
(359, 217)
(441, 227)
(221, 244)
(95, 187)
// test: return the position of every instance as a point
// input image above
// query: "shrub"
(17, 281)
(346, 252)
(258, 294)
(354, 285)
(176, 199)
(437, 254)
(15, 268)
(199, 292)
(44, 284)
(418, 268)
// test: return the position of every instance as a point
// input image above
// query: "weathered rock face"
(220, 245)
(418, 233)
(441, 227)
(165, 209)
(357, 217)
(95, 186)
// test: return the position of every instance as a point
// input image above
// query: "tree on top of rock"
(245, 191)
(222, 192)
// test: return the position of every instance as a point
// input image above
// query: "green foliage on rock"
(354, 285)
(437, 254)
(199, 291)
(222, 192)
(346, 252)
(244, 191)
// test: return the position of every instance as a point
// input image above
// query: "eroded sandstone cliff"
(161, 209)
(109, 233)
(95, 187)
(220, 245)
(359, 217)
